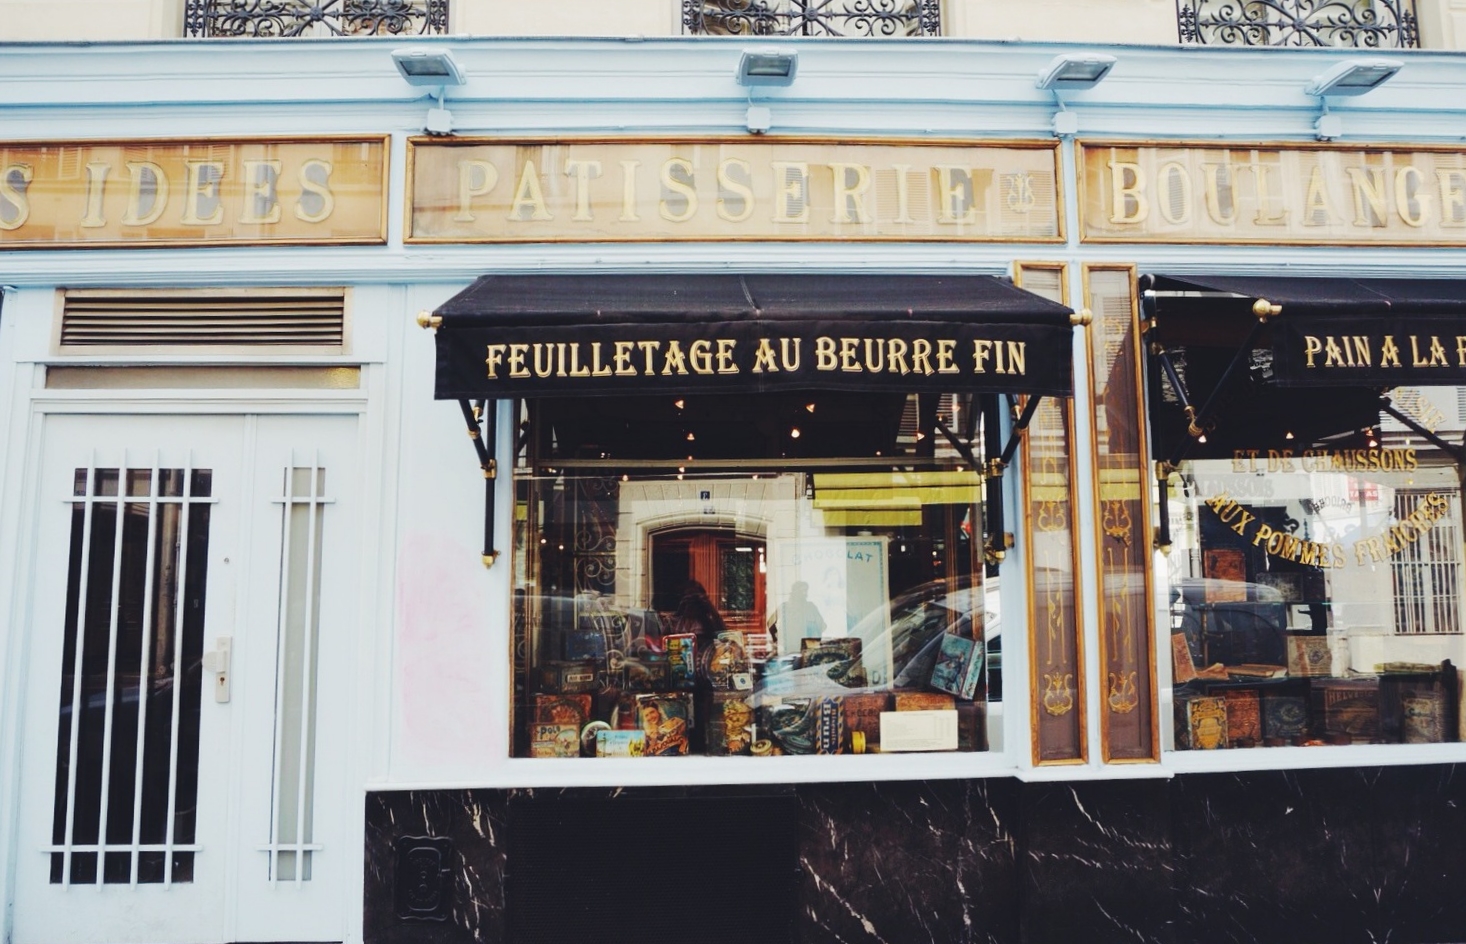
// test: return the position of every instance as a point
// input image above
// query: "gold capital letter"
(261, 201)
(583, 172)
(315, 179)
(135, 215)
(529, 195)
(1122, 193)
(475, 178)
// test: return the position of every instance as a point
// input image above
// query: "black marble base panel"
(1367, 855)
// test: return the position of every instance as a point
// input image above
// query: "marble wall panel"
(909, 861)
(1366, 855)
(1095, 862)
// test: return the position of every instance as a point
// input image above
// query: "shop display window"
(764, 575)
(1314, 572)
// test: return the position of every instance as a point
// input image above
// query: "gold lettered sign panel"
(189, 193)
(467, 191)
(1275, 195)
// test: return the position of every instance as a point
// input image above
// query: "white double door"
(187, 695)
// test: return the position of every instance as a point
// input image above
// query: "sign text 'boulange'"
(1277, 195)
(171, 193)
(526, 191)
(751, 356)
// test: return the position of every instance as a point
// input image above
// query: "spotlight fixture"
(1072, 72)
(767, 66)
(1075, 71)
(1353, 77)
(420, 66)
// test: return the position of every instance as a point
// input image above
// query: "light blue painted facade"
(416, 473)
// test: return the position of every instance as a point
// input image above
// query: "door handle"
(217, 660)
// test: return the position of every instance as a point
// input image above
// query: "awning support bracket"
(1163, 472)
(482, 421)
(1198, 421)
(997, 545)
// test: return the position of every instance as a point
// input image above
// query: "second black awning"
(623, 334)
(1333, 332)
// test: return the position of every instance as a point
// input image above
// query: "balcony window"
(314, 18)
(870, 18)
(1347, 24)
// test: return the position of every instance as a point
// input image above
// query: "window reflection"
(1315, 590)
(818, 594)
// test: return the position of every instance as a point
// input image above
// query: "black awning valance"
(1331, 332)
(583, 334)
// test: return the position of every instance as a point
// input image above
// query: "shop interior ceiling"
(711, 426)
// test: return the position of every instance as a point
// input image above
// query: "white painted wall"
(1088, 21)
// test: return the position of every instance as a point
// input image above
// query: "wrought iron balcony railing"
(878, 18)
(274, 18)
(1358, 24)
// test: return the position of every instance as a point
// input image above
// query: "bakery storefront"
(828, 564)
(542, 532)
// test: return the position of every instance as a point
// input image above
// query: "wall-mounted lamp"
(1072, 72)
(435, 68)
(764, 67)
(1354, 77)
(771, 66)
(1350, 77)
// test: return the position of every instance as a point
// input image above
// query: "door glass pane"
(127, 746)
(299, 633)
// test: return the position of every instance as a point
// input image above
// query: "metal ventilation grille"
(313, 318)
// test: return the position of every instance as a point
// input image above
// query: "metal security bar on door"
(303, 503)
(127, 747)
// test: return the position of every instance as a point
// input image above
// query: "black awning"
(1331, 332)
(633, 334)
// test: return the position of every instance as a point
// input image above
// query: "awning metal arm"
(483, 427)
(1454, 451)
(1019, 425)
(964, 449)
